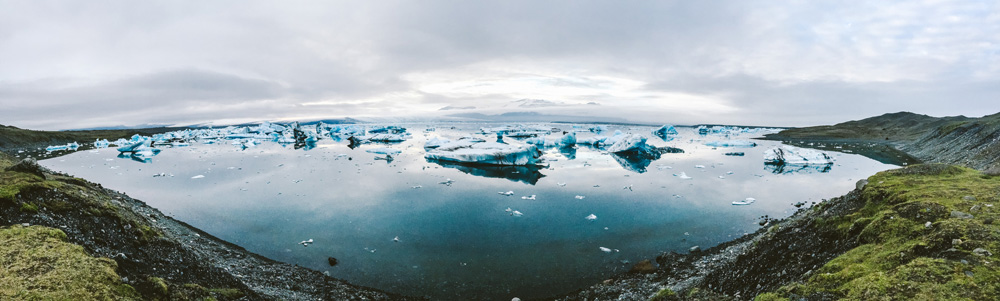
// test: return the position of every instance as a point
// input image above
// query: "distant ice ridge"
(732, 143)
(734, 130)
(790, 155)
(102, 143)
(470, 151)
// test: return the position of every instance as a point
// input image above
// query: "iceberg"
(486, 153)
(665, 131)
(747, 201)
(568, 140)
(386, 137)
(435, 142)
(102, 143)
(790, 155)
(68, 146)
(384, 151)
(732, 143)
(591, 217)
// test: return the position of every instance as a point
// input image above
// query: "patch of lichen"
(916, 241)
(38, 264)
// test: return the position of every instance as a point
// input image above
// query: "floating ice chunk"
(384, 151)
(722, 177)
(699, 166)
(568, 139)
(306, 243)
(198, 177)
(561, 184)
(683, 175)
(395, 239)
(591, 217)
(436, 142)
(790, 155)
(579, 197)
(447, 182)
(486, 153)
(735, 154)
(531, 197)
(662, 167)
(102, 143)
(416, 186)
(516, 213)
(731, 143)
(598, 129)
(747, 201)
(665, 130)
(605, 250)
(508, 193)
(633, 144)
(508, 210)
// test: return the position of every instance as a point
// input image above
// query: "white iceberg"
(486, 153)
(790, 155)
(605, 250)
(386, 137)
(591, 217)
(436, 142)
(198, 177)
(630, 143)
(508, 193)
(531, 197)
(568, 139)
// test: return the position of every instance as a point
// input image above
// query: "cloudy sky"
(75, 64)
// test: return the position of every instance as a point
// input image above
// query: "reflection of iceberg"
(790, 159)
(633, 161)
(524, 174)
(795, 168)
(568, 151)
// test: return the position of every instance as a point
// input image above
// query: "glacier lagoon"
(421, 227)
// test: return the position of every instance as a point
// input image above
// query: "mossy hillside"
(917, 240)
(38, 264)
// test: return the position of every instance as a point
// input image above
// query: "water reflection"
(524, 174)
(796, 168)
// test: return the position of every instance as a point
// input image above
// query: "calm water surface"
(457, 241)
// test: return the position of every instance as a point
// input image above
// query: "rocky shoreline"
(160, 257)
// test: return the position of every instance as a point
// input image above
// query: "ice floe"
(486, 153)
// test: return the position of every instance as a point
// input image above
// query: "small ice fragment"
(561, 184)
(306, 243)
(747, 201)
(605, 250)
(662, 167)
(507, 210)
(579, 197)
(722, 177)
(729, 172)
(699, 166)
(531, 197)
(395, 239)
(447, 182)
(508, 193)
(629, 187)
(198, 177)
(516, 213)
(591, 217)
(683, 175)
(417, 186)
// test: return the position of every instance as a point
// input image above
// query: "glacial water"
(456, 240)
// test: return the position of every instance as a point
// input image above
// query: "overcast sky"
(74, 64)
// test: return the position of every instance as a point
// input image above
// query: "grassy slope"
(38, 264)
(12, 138)
(900, 257)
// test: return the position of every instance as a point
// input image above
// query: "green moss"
(664, 295)
(40, 265)
(769, 297)
(29, 208)
(160, 286)
(911, 245)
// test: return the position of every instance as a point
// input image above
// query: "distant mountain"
(123, 127)
(536, 117)
(973, 142)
